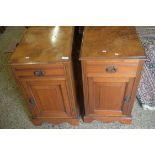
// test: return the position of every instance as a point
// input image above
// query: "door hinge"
(32, 101)
(127, 99)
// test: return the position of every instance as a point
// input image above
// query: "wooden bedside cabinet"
(42, 65)
(112, 61)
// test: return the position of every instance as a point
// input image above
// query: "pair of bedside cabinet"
(52, 64)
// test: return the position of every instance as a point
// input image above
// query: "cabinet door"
(109, 96)
(47, 98)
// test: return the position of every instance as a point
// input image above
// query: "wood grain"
(44, 44)
(109, 94)
(111, 42)
(50, 97)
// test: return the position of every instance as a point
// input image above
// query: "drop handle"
(39, 72)
(111, 69)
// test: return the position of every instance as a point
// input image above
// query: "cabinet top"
(111, 42)
(44, 45)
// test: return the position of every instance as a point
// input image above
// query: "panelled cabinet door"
(47, 98)
(109, 96)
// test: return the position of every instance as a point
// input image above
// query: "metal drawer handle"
(111, 69)
(39, 72)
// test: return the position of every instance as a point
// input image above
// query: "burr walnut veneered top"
(44, 45)
(111, 42)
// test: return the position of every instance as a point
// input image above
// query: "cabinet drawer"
(111, 68)
(38, 70)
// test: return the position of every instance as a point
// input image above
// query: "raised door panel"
(106, 93)
(107, 96)
(47, 98)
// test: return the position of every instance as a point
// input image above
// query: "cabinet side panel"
(71, 89)
(85, 87)
(136, 83)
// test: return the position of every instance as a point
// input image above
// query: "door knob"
(32, 101)
(127, 99)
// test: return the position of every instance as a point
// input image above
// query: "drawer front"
(111, 68)
(38, 70)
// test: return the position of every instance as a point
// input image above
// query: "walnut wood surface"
(44, 45)
(105, 91)
(50, 97)
(54, 94)
(112, 42)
